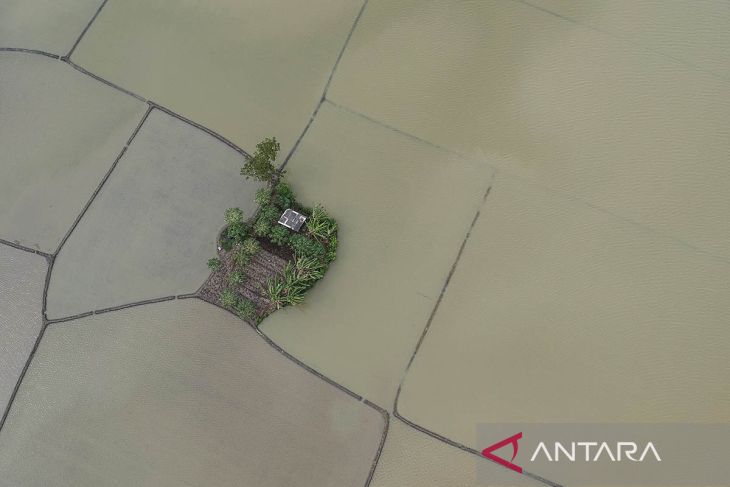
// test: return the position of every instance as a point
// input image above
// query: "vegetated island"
(272, 259)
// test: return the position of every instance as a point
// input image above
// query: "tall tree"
(260, 166)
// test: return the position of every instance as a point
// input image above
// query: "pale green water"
(179, 393)
(600, 259)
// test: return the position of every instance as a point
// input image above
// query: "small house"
(292, 219)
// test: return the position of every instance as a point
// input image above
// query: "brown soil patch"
(265, 264)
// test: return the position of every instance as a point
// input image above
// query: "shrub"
(267, 218)
(234, 215)
(226, 242)
(215, 264)
(236, 278)
(284, 195)
(306, 247)
(320, 225)
(260, 166)
(250, 246)
(262, 227)
(279, 235)
(270, 213)
(237, 231)
(228, 298)
(246, 309)
(240, 256)
(263, 197)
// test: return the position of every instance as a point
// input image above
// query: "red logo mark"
(487, 452)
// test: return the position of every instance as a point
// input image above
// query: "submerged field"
(540, 186)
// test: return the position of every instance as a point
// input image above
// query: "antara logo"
(487, 452)
(593, 451)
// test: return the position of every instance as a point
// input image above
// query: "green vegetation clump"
(262, 227)
(246, 309)
(250, 246)
(284, 195)
(267, 219)
(260, 166)
(320, 225)
(263, 197)
(243, 307)
(234, 215)
(236, 278)
(280, 235)
(332, 250)
(240, 256)
(228, 298)
(308, 269)
(301, 245)
(313, 248)
(290, 287)
(237, 232)
(215, 264)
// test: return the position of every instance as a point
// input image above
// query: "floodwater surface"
(608, 265)
(559, 312)
(404, 208)
(613, 122)
(594, 286)
(179, 393)
(247, 70)
(22, 275)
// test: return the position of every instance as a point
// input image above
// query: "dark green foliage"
(306, 247)
(215, 264)
(228, 298)
(266, 221)
(280, 235)
(270, 213)
(250, 246)
(234, 215)
(236, 278)
(262, 227)
(237, 231)
(284, 195)
(242, 306)
(246, 309)
(226, 242)
(314, 248)
(260, 166)
(263, 196)
(240, 256)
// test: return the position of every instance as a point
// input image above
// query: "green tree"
(260, 166)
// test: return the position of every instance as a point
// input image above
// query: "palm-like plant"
(320, 225)
(308, 269)
(274, 290)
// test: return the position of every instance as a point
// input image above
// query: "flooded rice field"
(542, 185)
